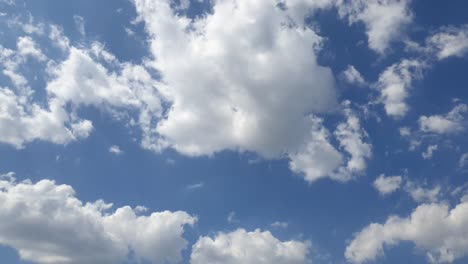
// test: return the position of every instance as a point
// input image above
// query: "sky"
(233, 131)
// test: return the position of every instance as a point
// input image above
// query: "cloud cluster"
(435, 228)
(385, 20)
(46, 223)
(256, 247)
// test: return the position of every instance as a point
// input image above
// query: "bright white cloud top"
(71, 231)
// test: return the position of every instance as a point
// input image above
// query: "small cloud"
(195, 186)
(232, 218)
(353, 76)
(463, 162)
(80, 24)
(279, 224)
(170, 161)
(387, 184)
(115, 150)
(429, 152)
(421, 194)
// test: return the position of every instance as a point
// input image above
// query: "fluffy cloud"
(449, 41)
(22, 122)
(319, 158)
(444, 238)
(231, 76)
(394, 85)
(385, 20)
(47, 224)
(387, 185)
(421, 194)
(255, 247)
(452, 122)
(27, 47)
(230, 87)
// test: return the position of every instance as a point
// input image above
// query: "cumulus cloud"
(387, 184)
(394, 85)
(421, 193)
(241, 246)
(27, 47)
(22, 122)
(231, 75)
(318, 158)
(452, 122)
(444, 238)
(385, 20)
(46, 223)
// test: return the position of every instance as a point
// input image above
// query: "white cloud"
(279, 224)
(385, 20)
(22, 122)
(387, 184)
(435, 228)
(318, 158)
(395, 83)
(232, 218)
(114, 149)
(47, 224)
(195, 186)
(231, 75)
(27, 47)
(352, 138)
(449, 41)
(80, 24)
(429, 151)
(452, 122)
(353, 76)
(244, 247)
(421, 194)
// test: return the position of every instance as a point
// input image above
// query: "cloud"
(254, 247)
(230, 77)
(114, 149)
(444, 237)
(449, 41)
(451, 123)
(429, 152)
(195, 186)
(421, 194)
(80, 24)
(318, 158)
(387, 184)
(22, 122)
(232, 218)
(394, 85)
(47, 224)
(353, 76)
(385, 20)
(463, 162)
(27, 47)
(279, 224)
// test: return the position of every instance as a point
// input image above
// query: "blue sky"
(295, 131)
